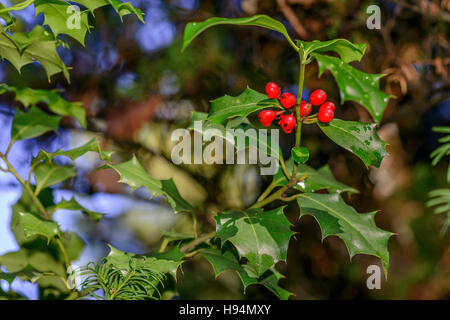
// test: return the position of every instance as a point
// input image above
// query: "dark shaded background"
(136, 87)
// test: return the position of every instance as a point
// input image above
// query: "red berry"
(305, 108)
(328, 105)
(288, 100)
(318, 97)
(325, 115)
(266, 117)
(272, 90)
(288, 123)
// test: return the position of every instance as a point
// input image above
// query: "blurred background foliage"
(137, 87)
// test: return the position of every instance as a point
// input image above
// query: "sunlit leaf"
(58, 15)
(37, 45)
(347, 50)
(49, 174)
(193, 29)
(134, 175)
(34, 226)
(32, 124)
(73, 205)
(52, 98)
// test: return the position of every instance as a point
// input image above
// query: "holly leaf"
(228, 107)
(34, 226)
(193, 29)
(37, 45)
(49, 174)
(357, 230)
(271, 279)
(52, 98)
(237, 129)
(74, 205)
(134, 175)
(260, 236)
(122, 8)
(63, 18)
(321, 179)
(6, 16)
(14, 261)
(166, 262)
(32, 124)
(222, 261)
(359, 138)
(347, 50)
(93, 145)
(355, 85)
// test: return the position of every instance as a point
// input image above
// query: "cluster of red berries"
(288, 100)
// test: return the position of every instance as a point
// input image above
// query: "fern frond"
(440, 198)
(118, 283)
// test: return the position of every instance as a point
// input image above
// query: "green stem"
(299, 100)
(64, 252)
(17, 7)
(276, 195)
(121, 285)
(283, 166)
(269, 189)
(27, 187)
(298, 132)
(196, 242)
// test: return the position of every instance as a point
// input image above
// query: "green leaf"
(49, 174)
(73, 244)
(37, 45)
(358, 138)
(93, 145)
(14, 261)
(300, 154)
(73, 205)
(193, 29)
(58, 15)
(122, 8)
(225, 260)
(32, 124)
(321, 179)
(357, 230)
(52, 98)
(6, 16)
(355, 85)
(34, 226)
(235, 125)
(166, 262)
(125, 8)
(270, 280)
(260, 236)
(228, 107)
(347, 50)
(134, 175)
